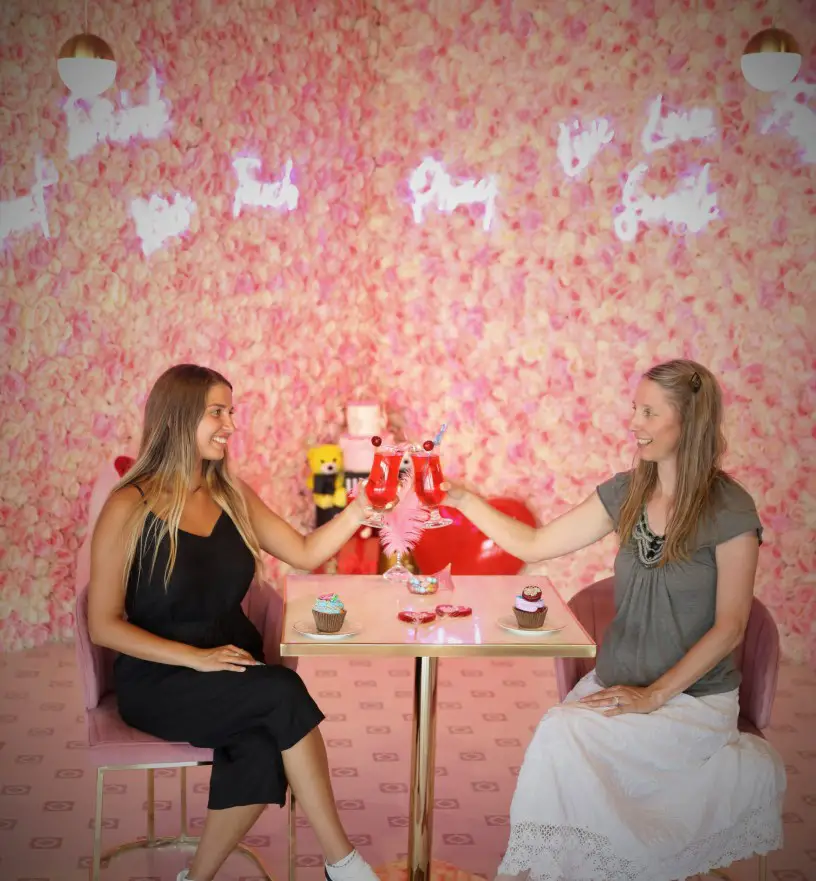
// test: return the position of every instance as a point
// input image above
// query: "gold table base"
(419, 865)
(439, 871)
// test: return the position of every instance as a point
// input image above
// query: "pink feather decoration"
(403, 525)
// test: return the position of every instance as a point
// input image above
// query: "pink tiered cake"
(364, 419)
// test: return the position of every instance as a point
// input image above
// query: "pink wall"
(525, 338)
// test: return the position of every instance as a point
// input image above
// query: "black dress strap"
(141, 491)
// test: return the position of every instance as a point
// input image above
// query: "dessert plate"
(508, 622)
(308, 628)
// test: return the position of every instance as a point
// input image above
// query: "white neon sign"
(101, 122)
(158, 219)
(663, 131)
(276, 194)
(577, 147)
(430, 184)
(24, 212)
(795, 117)
(690, 208)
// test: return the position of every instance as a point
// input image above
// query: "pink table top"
(372, 604)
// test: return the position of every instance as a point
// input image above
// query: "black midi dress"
(248, 717)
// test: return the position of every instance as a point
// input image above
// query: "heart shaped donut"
(417, 617)
(454, 611)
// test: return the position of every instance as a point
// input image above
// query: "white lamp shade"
(86, 65)
(87, 77)
(770, 71)
(771, 59)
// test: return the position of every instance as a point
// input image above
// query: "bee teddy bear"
(326, 481)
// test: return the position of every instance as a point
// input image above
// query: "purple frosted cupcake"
(529, 608)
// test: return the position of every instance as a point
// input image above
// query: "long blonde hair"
(167, 460)
(694, 392)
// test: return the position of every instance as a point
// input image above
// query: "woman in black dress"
(174, 551)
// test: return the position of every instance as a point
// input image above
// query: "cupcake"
(529, 608)
(329, 613)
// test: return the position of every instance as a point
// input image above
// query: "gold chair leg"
(96, 864)
(151, 806)
(251, 854)
(763, 867)
(185, 833)
(292, 835)
(151, 841)
(178, 841)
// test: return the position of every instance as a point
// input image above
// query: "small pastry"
(328, 613)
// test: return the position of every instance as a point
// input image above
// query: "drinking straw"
(442, 430)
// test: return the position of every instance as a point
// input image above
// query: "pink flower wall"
(515, 292)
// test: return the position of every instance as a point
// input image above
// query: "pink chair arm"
(758, 658)
(594, 607)
(264, 608)
(567, 674)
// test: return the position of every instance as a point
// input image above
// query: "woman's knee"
(565, 721)
(288, 683)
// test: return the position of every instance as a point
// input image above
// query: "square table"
(373, 603)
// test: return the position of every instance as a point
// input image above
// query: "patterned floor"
(487, 710)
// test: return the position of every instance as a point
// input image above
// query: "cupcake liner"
(329, 622)
(530, 620)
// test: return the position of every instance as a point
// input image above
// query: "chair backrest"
(757, 656)
(263, 606)
(105, 481)
(95, 663)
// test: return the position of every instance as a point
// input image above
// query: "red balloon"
(469, 551)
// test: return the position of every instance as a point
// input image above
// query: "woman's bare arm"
(283, 541)
(582, 525)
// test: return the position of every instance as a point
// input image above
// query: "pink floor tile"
(487, 710)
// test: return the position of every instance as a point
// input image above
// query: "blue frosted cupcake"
(328, 613)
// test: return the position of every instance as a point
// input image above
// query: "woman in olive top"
(641, 774)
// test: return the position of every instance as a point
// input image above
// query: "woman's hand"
(455, 494)
(623, 699)
(362, 506)
(226, 657)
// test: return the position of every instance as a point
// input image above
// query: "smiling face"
(216, 425)
(655, 423)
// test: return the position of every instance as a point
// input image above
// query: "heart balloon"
(469, 551)
(123, 464)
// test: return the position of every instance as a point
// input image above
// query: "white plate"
(508, 622)
(308, 628)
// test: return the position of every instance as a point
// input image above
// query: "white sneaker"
(183, 876)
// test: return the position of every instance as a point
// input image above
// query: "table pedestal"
(423, 772)
(419, 866)
(438, 871)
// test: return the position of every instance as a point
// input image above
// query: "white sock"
(183, 875)
(351, 868)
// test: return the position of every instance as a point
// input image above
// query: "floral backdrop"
(490, 214)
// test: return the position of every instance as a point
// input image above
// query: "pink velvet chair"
(757, 657)
(114, 746)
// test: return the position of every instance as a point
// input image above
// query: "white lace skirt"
(652, 797)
